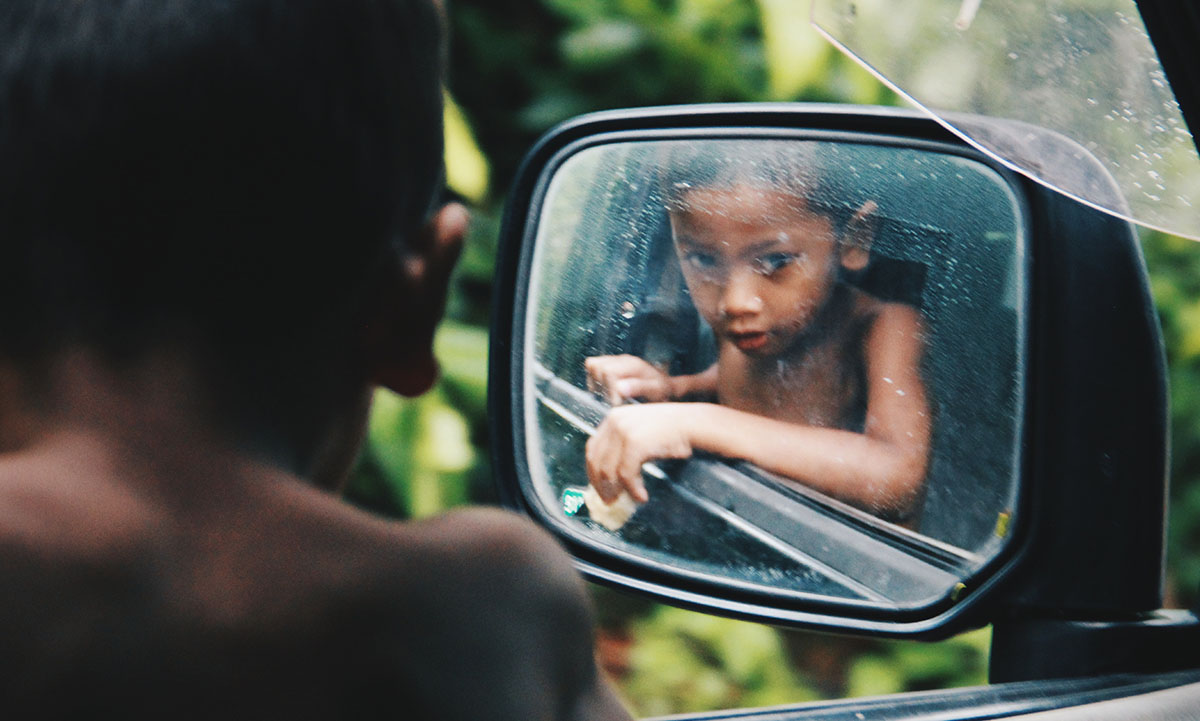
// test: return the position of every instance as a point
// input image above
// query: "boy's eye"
(702, 262)
(773, 262)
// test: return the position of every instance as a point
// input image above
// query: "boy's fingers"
(626, 388)
(622, 377)
(645, 388)
(629, 365)
(596, 452)
(598, 374)
(618, 365)
(615, 397)
(630, 473)
(637, 489)
(614, 464)
(631, 479)
(610, 464)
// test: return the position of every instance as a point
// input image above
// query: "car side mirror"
(912, 386)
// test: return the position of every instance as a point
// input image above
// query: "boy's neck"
(824, 330)
(151, 419)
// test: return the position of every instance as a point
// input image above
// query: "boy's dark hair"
(221, 170)
(831, 178)
(802, 168)
(222, 174)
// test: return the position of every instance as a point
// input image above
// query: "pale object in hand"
(610, 515)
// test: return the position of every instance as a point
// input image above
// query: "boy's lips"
(749, 341)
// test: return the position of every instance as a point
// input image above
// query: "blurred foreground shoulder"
(500, 601)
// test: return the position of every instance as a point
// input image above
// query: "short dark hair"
(801, 168)
(227, 170)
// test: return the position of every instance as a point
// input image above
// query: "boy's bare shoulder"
(81, 520)
(444, 576)
(489, 595)
(474, 614)
(498, 568)
(870, 309)
(485, 557)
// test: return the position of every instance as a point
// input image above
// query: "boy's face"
(758, 263)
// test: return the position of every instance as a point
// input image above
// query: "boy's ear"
(399, 341)
(858, 236)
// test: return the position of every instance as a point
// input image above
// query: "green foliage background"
(517, 68)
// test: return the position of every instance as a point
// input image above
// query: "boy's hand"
(632, 435)
(623, 377)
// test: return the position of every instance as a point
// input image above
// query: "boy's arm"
(880, 469)
(703, 383)
(623, 377)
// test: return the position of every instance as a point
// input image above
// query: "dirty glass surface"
(639, 247)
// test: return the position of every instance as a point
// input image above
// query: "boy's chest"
(823, 387)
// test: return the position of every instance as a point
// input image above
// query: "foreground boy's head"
(760, 239)
(243, 183)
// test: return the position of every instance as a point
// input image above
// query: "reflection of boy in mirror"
(815, 379)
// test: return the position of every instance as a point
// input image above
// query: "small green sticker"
(572, 501)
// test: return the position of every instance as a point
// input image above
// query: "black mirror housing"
(1089, 457)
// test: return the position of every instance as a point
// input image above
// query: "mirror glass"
(794, 364)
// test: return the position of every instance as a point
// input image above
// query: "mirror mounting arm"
(1088, 598)
(1040, 649)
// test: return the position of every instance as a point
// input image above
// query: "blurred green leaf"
(466, 166)
(685, 661)
(874, 676)
(898, 666)
(422, 447)
(462, 351)
(580, 10)
(797, 56)
(1174, 265)
(602, 43)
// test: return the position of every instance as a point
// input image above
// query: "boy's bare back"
(168, 573)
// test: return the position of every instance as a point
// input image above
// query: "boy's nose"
(741, 296)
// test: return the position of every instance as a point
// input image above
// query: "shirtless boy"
(815, 380)
(219, 238)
